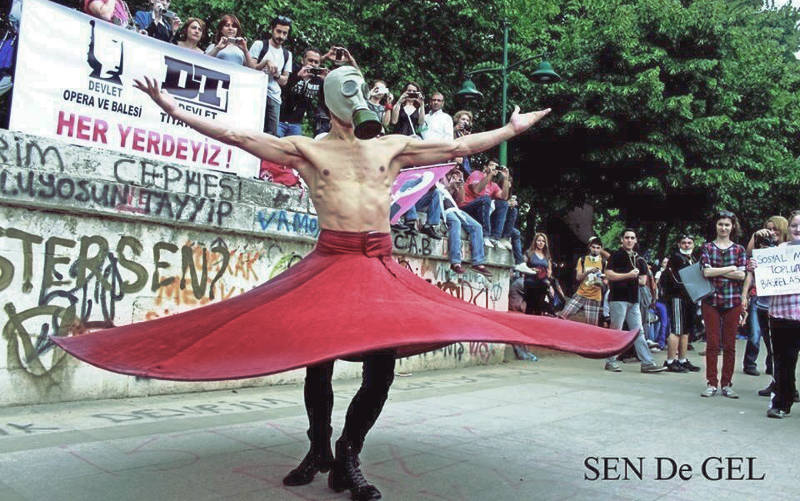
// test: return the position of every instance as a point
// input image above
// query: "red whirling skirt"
(346, 298)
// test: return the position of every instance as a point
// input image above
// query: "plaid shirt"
(727, 292)
(786, 306)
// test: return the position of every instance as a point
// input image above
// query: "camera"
(413, 95)
(339, 53)
(316, 71)
(235, 40)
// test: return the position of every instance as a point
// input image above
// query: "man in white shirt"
(439, 125)
(276, 62)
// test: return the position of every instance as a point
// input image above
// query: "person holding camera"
(276, 61)
(589, 296)
(380, 101)
(438, 124)
(159, 22)
(457, 219)
(229, 44)
(462, 126)
(299, 93)
(409, 114)
(478, 195)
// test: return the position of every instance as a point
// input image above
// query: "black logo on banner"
(196, 84)
(106, 61)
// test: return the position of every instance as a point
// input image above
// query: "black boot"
(311, 464)
(318, 394)
(347, 475)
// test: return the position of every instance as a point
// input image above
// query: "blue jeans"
(499, 217)
(663, 324)
(511, 222)
(516, 246)
(480, 209)
(474, 231)
(286, 129)
(759, 327)
(431, 203)
(624, 312)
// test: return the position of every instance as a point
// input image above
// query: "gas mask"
(346, 96)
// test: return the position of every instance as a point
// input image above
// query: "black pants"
(785, 346)
(535, 298)
(377, 376)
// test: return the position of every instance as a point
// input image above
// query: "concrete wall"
(92, 239)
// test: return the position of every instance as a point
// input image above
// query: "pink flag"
(411, 184)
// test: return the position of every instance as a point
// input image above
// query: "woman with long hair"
(191, 34)
(408, 115)
(537, 285)
(724, 263)
(776, 229)
(784, 324)
(230, 43)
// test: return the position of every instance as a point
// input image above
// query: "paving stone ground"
(521, 430)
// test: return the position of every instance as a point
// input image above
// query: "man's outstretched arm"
(418, 152)
(265, 146)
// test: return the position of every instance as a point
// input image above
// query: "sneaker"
(430, 231)
(689, 366)
(487, 243)
(751, 371)
(523, 268)
(483, 270)
(777, 413)
(710, 391)
(675, 366)
(767, 391)
(651, 343)
(613, 367)
(650, 368)
(727, 391)
(400, 227)
(506, 244)
(456, 267)
(655, 349)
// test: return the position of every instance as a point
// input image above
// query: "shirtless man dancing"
(350, 182)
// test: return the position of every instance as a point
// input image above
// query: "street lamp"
(544, 74)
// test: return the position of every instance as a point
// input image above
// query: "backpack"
(265, 48)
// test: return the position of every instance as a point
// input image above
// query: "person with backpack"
(276, 61)
(589, 296)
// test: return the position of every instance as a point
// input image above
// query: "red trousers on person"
(720, 324)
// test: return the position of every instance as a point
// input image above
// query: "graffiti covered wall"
(90, 240)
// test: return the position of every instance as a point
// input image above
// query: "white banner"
(74, 82)
(778, 270)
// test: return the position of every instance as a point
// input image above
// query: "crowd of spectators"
(622, 290)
